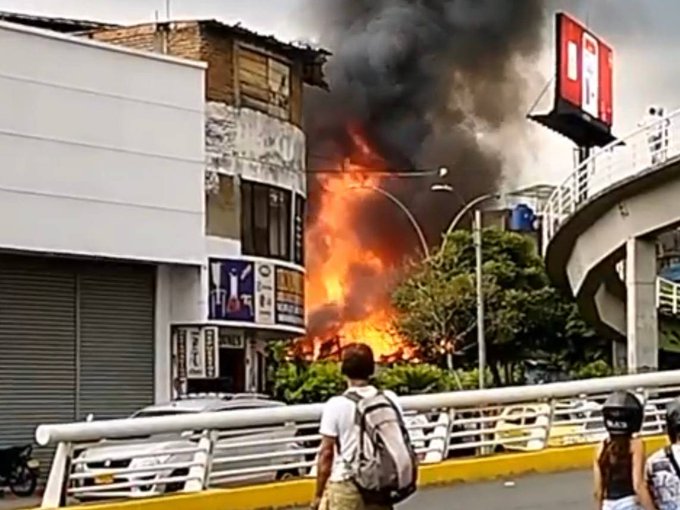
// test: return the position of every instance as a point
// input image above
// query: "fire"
(334, 252)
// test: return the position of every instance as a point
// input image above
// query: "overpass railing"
(649, 146)
(144, 457)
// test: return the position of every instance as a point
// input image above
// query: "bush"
(599, 368)
(308, 383)
(303, 383)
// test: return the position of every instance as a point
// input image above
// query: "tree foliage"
(524, 316)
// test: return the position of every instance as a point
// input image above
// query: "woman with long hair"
(620, 461)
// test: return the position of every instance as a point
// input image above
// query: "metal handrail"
(440, 426)
(646, 147)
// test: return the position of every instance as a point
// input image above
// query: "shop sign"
(211, 347)
(264, 293)
(290, 297)
(195, 354)
(181, 352)
(232, 290)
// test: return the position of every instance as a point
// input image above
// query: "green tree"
(524, 316)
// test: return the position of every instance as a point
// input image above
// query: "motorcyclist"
(619, 464)
(662, 471)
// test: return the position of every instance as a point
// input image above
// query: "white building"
(102, 207)
(152, 240)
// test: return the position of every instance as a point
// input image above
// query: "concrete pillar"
(641, 315)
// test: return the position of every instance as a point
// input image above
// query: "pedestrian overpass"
(206, 461)
(599, 236)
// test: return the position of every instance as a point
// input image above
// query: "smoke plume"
(421, 80)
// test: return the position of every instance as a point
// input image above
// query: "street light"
(477, 240)
(400, 204)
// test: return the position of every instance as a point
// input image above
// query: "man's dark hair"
(358, 362)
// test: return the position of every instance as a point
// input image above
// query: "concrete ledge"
(298, 493)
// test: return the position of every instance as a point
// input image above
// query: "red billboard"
(584, 71)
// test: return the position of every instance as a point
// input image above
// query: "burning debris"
(413, 83)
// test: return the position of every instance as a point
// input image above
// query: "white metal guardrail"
(646, 147)
(142, 457)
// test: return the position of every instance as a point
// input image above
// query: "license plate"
(103, 479)
(33, 464)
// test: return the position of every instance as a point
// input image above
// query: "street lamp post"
(481, 339)
(477, 241)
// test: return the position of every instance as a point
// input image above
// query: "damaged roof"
(313, 59)
(63, 25)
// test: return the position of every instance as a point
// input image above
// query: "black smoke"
(420, 79)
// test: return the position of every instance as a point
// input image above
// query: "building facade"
(102, 201)
(252, 284)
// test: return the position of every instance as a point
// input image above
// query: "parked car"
(98, 467)
(575, 422)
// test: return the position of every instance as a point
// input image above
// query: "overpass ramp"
(605, 217)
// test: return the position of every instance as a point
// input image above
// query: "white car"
(149, 466)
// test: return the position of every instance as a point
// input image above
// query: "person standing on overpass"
(619, 465)
(662, 470)
(366, 460)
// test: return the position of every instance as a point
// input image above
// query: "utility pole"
(481, 341)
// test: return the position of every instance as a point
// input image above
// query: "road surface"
(561, 491)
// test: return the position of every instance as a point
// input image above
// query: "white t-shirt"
(663, 480)
(337, 421)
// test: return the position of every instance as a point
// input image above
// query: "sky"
(644, 34)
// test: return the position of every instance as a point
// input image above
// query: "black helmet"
(623, 413)
(673, 419)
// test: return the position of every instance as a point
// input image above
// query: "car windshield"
(151, 413)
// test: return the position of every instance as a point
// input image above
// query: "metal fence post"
(57, 482)
(199, 474)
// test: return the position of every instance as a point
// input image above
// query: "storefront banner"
(195, 354)
(290, 297)
(232, 289)
(211, 347)
(264, 293)
(181, 352)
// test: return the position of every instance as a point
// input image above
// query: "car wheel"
(176, 486)
(287, 474)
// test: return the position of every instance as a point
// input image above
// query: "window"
(265, 220)
(263, 82)
(221, 216)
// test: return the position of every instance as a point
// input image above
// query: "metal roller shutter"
(116, 317)
(37, 348)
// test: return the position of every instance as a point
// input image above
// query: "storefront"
(76, 337)
(251, 301)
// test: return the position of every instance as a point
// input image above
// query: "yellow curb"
(297, 493)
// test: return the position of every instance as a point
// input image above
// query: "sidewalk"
(11, 502)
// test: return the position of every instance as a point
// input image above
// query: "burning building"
(413, 85)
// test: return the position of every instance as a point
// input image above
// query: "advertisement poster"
(264, 293)
(195, 354)
(290, 297)
(590, 86)
(298, 231)
(212, 352)
(181, 352)
(232, 290)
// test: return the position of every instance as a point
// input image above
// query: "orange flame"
(328, 275)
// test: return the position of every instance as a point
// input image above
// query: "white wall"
(101, 149)
(245, 142)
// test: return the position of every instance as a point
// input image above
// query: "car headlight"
(149, 462)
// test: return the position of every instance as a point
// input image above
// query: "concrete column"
(641, 315)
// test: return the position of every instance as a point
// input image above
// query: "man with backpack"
(366, 460)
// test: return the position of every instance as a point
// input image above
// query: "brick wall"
(194, 41)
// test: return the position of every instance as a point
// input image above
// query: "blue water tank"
(522, 218)
(671, 273)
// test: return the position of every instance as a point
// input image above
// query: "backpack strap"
(669, 453)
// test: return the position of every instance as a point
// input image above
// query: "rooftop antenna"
(167, 10)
